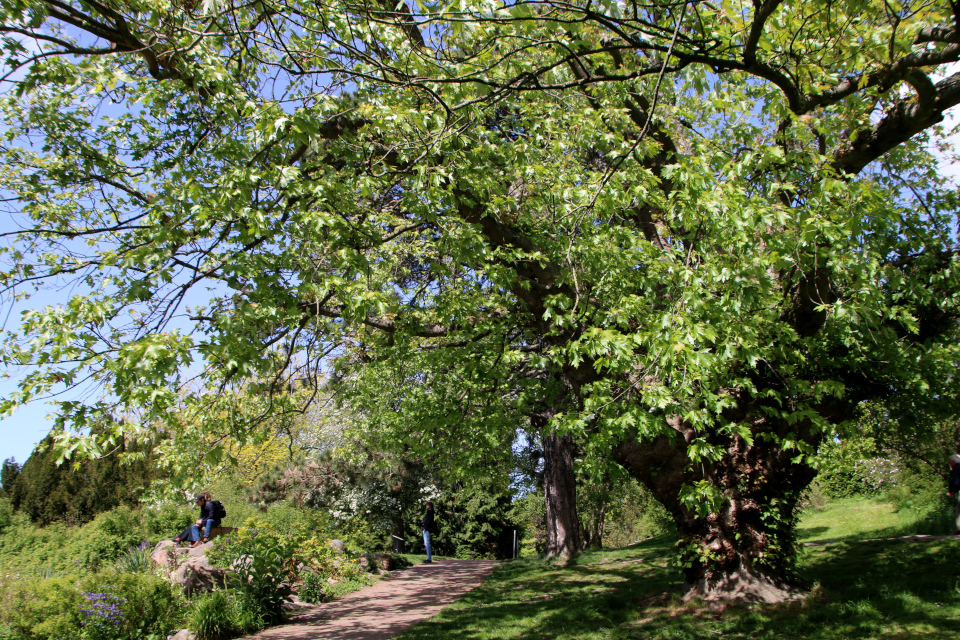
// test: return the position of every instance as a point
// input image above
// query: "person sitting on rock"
(208, 520)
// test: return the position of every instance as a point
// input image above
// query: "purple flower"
(102, 609)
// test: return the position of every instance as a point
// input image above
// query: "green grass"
(856, 519)
(418, 558)
(859, 589)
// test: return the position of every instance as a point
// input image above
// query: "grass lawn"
(859, 589)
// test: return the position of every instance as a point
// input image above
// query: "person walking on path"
(429, 528)
(953, 490)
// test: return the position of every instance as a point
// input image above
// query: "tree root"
(745, 586)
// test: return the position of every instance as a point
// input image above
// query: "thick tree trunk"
(592, 537)
(560, 488)
(742, 547)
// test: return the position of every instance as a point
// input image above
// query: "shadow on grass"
(860, 590)
(803, 533)
(536, 599)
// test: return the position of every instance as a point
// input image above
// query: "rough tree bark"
(742, 550)
(560, 489)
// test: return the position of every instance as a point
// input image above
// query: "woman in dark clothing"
(428, 526)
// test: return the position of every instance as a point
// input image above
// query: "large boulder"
(374, 561)
(196, 574)
(182, 634)
(338, 546)
(195, 552)
(165, 554)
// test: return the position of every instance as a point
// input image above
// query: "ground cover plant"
(860, 589)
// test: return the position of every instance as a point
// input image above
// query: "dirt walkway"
(387, 608)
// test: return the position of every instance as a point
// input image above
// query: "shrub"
(102, 615)
(813, 498)
(210, 617)
(221, 615)
(268, 558)
(263, 563)
(313, 589)
(28, 549)
(99, 606)
(855, 467)
(151, 604)
(136, 559)
(33, 608)
(6, 517)
(106, 538)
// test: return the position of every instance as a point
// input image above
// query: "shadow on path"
(914, 538)
(387, 608)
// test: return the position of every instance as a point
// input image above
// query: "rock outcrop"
(197, 574)
(189, 567)
(374, 561)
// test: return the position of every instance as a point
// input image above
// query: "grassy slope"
(860, 589)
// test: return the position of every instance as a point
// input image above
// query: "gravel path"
(387, 608)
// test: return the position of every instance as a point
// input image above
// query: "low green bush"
(263, 561)
(210, 616)
(26, 549)
(6, 519)
(221, 615)
(165, 520)
(855, 466)
(269, 557)
(107, 537)
(136, 559)
(103, 606)
(313, 588)
(152, 605)
(35, 609)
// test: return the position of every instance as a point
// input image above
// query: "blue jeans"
(195, 530)
(426, 543)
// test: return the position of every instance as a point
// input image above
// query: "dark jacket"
(427, 523)
(206, 511)
(955, 479)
